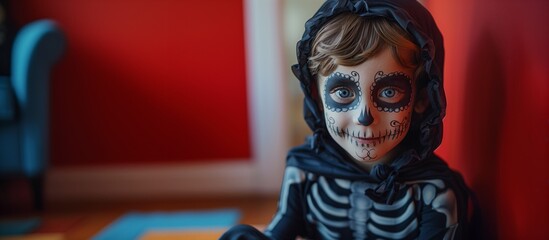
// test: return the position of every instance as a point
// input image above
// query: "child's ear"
(422, 101)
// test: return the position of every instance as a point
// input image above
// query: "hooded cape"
(321, 155)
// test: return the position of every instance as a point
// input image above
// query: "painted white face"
(368, 107)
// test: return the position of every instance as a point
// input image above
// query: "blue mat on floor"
(18, 227)
(133, 225)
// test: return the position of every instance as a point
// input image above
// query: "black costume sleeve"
(289, 220)
(439, 218)
(243, 232)
(432, 225)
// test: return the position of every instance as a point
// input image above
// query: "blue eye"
(388, 93)
(342, 95)
(391, 94)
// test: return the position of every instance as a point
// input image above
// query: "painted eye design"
(391, 92)
(342, 92)
(342, 95)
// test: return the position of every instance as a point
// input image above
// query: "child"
(371, 72)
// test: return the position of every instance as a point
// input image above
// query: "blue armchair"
(24, 104)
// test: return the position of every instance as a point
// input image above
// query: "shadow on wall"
(485, 105)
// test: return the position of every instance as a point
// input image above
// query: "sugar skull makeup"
(367, 107)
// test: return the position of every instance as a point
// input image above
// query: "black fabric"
(292, 222)
(243, 232)
(332, 162)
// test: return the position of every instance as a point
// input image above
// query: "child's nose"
(365, 118)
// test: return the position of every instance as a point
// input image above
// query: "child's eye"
(391, 94)
(342, 95)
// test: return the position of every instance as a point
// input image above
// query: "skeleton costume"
(325, 195)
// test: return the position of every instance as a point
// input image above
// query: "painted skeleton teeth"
(400, 128)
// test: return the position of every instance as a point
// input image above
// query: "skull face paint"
(391, 92)
(342, 92)
(367, 107)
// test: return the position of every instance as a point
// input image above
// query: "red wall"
(164, 81)
(497, 128)
(146, 82)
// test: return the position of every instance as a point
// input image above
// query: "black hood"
(322, 155)
(420, 25)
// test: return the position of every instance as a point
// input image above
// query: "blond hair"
(349, 40)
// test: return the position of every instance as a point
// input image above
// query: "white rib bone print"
(340, 209)
(367, 218)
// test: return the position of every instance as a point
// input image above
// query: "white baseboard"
(156, 182)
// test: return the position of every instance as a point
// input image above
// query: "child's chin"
(367, 161)
(373, 159)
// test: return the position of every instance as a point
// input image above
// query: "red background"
(146, 81)
(164, 81)
(497, 127)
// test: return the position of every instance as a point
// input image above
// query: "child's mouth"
(370, 140)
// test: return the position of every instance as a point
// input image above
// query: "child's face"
(368, 107)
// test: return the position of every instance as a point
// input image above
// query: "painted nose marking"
(365, 118)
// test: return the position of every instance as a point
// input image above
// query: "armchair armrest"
(7, 105)
(36, 48)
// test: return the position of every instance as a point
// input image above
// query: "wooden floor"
(84, 220)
